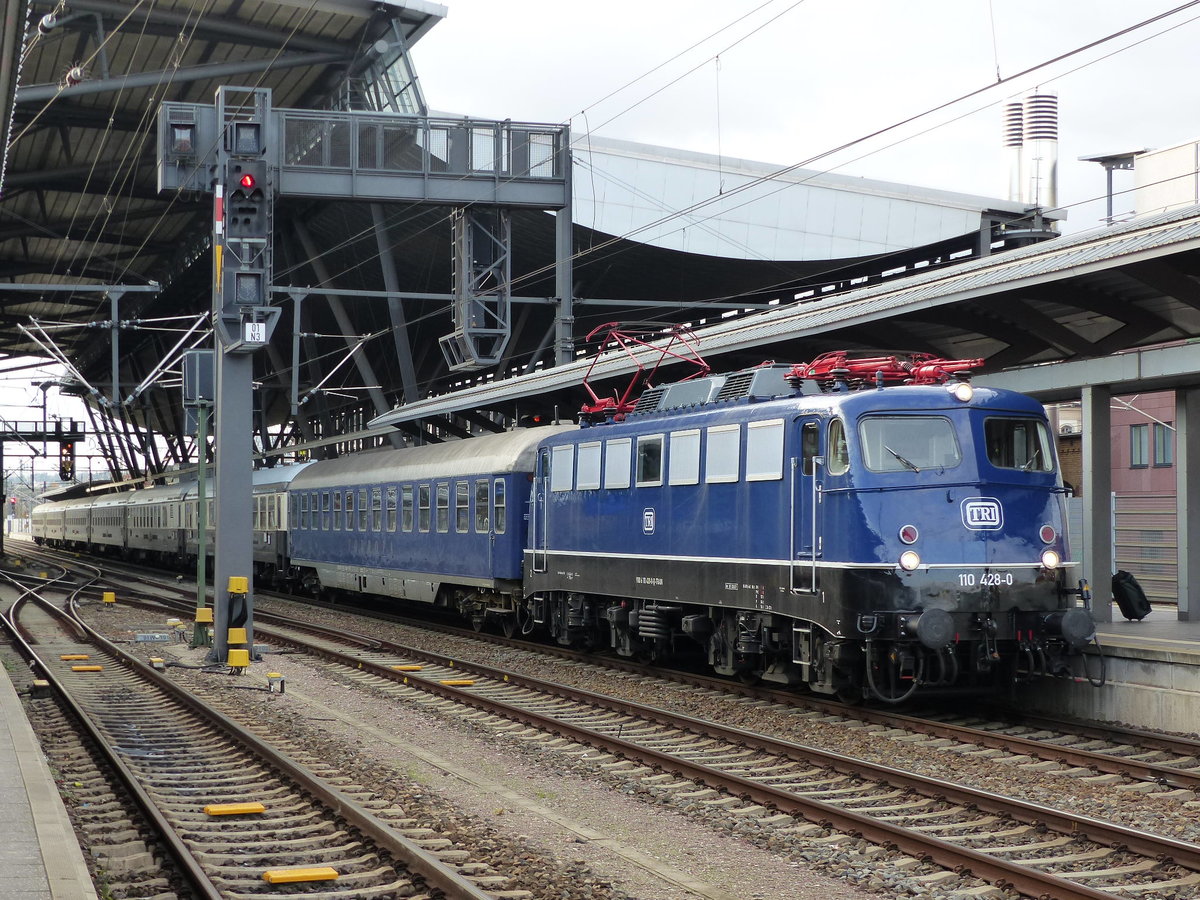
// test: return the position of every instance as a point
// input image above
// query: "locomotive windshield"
(1018, 443)
(912, 443)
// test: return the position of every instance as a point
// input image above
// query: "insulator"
(74, 75)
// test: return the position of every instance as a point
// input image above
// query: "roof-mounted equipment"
(842, 370)
(614, 336)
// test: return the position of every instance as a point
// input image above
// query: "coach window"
(349, 510)
(462, 506)
(764, 450)
(498, 511)
(362, 509)
(649, 460)
(482, 502)
(618, 455)
(337, 511)
(587, 474)
(423, 508)
(443, 507)
(722, 454)
(839, 455)
(325, 522)
(683, 462)
(391, 508)
(562, 465)
(302, 520)
(406, 507)
(315, 497)
(377, 509)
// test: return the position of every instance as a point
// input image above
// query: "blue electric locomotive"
(864, 542)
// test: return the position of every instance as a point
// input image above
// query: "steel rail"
(179, 851)
(997, 871)
(436, 873)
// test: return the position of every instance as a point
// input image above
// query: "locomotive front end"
(961, 502)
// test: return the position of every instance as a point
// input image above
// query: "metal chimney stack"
(1031, 139)
(1014, 138)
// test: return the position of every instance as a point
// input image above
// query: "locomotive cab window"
(649, 460)
(908, 443)
(1018, 443)
(810, 445)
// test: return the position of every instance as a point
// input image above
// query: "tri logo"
(982, 514)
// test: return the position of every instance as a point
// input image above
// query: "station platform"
(39, 856)
(1151, 676)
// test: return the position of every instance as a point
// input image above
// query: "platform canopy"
(101, 270)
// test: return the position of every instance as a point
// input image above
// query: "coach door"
(806, 509)
(537, 519)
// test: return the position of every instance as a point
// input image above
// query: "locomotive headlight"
(909, 560)
(1050, 559)
(961, 390)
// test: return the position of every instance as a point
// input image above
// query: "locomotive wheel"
(478, 620)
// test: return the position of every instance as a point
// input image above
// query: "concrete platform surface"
(39, 856)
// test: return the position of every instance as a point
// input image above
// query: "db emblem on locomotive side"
(983, 514)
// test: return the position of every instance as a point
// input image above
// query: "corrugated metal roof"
(1078, 255)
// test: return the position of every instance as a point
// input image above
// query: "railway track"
(1033, 849)
(236, 814)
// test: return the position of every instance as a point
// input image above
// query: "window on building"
(1139, 446)
(1164, 444)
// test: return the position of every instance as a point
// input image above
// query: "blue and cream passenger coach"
(440, 524)
(861, 541)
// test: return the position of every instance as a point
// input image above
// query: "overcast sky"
(785, 81)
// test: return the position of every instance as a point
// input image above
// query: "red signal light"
(247, 181)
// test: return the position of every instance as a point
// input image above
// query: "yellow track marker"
(458, 682)
(291, 876)
(70, 656)
(87, 668)
(233, 809)
(408, 668)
